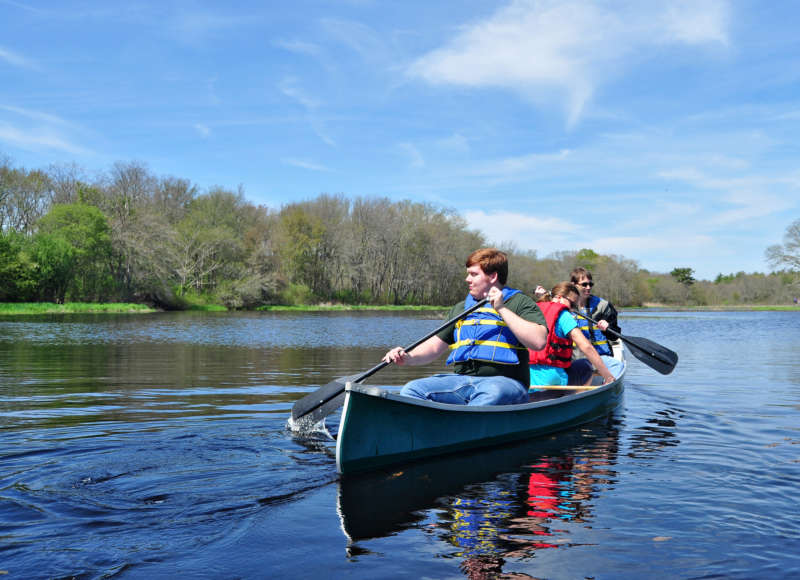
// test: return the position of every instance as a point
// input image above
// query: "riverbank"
(28, 308)
(15, 308)
(715, 307)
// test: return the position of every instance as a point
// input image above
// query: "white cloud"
(304, 164)
(36, 115)
(737, 199)
(511, 168)
(456, 143)
(202, 130)
(289, 87)
(17, 60)
(696, 21)
(414, 156)
(558, 51)
(33, 130)
(544, 234)
(299, 47)
(37, 139)
(193, 24)
(357, 36)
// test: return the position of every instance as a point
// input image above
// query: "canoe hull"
(379, 428)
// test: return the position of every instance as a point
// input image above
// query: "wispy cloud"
(33, 130)
(299, 47)
(359, 37)
(17, 60)
(415, 158)
(289, 86)
(455, 143)
(193, 24)
(555, 51)
(304, 164)
(521, 166)
(696, 21)
(739, 199)
(202, 130)
(545, 235)
(37, 139)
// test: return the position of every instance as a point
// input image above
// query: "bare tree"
(25, 196)
(788, 253)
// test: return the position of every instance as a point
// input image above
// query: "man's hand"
(397, 356)
(495, 296)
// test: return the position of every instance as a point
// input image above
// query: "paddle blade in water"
(326, 398)
(652, 354)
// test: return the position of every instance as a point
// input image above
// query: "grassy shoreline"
(71, 308)
(27, 308)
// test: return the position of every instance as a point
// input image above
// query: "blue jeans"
(613, 365)
(467, 390)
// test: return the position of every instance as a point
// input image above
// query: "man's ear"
(493, 277)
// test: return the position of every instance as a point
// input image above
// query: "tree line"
(129, 235)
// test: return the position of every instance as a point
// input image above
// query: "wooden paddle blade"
(652, 354)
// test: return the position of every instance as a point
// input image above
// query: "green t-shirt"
(521, 305)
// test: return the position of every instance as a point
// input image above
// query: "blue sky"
(665, 132)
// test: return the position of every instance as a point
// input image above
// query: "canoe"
(379, 428)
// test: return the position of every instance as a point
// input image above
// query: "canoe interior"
(380, 428)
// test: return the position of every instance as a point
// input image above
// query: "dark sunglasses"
(587, 284)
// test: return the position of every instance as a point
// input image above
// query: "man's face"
(479, 283)
(585, 286)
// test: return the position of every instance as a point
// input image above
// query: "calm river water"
(155, 446)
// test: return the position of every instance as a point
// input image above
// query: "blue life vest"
(589, 329)
(484, 336)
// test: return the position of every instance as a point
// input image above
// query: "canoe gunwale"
(581, 392)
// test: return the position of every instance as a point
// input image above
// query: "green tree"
(86, 231)
(587, 258)
(54, 261)
(17, 271)
(683, 276)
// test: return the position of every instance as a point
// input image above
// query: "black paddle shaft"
(651, 353)
(324, 400)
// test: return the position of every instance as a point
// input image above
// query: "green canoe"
(380, 428)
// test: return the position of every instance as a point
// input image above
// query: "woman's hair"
(490, 260)
(541, 295)
(565, 289)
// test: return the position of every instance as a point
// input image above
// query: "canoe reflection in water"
(504, 502)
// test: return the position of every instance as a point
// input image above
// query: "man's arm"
(422, 354)
(607, 318)
(532, 335)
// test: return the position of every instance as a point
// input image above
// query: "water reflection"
(507, 502)
(658, 432)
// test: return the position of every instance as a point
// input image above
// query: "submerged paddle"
(314, 406)
(650, 353)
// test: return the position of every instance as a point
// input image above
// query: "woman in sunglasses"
(599, 309)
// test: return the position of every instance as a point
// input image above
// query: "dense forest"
(129, 235)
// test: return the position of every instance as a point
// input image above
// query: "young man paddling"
(488, 349)
(602, 311)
